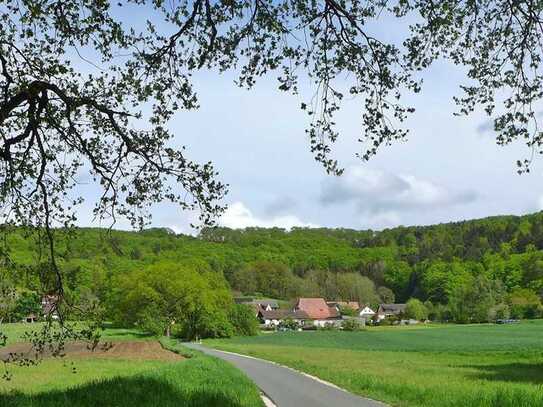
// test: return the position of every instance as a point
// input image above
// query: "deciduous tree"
(167, 297)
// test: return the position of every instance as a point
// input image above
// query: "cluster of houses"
(318, 312)
(48, 309)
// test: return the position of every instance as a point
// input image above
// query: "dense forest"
(462, 271)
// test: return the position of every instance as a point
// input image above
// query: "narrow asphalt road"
(287, 388)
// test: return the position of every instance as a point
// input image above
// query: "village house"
(272, 318)
(365, 312)
(318, 311)
(48, 309)
(258, 304)
(307, 311)
(268, 305)
(388, 310)
(49, 305)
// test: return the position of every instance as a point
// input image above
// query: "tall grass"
(198, 381)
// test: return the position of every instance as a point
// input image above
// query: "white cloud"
(380, 193)
(238, 216)
(381, 220)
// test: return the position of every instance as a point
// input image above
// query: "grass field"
(478, 365)
(196, 381)
(15, 333)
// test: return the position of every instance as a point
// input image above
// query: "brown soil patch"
(141, 350)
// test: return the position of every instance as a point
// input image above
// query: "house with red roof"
(318, 311)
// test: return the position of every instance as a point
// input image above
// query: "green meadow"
(442, 365)
(196, 381)
(16, 333)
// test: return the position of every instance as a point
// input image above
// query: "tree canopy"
(166, 297)
(458, 279)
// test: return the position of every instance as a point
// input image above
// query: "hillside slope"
(426, 262)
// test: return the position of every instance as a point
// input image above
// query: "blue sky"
(450, 168)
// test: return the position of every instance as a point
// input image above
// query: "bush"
(416, 310)
(391, 320)
(329, 326)
(290, 324)
(351, 325)
(347, 311)
(28, 302)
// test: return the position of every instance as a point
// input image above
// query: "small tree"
(472, 300)
(416, 310)
(166, 296)
(243, 319)
(386, 294)
(432, 310)
(439, 312)
(524, 303)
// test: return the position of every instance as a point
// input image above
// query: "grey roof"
(271, 303)
(283, 314)
(392, 308)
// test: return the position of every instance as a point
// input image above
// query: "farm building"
(388, 310)
(318, 311)
(49, 305)
(272, 318)
(258, 304)
(266, 304)
(365, 312)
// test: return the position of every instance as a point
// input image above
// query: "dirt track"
(140, 350)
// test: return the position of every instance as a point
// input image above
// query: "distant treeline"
(442, 264)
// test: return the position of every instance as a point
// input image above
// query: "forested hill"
(428, 262)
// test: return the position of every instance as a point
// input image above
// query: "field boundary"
(318, 379)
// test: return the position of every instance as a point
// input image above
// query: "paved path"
(287, 388)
